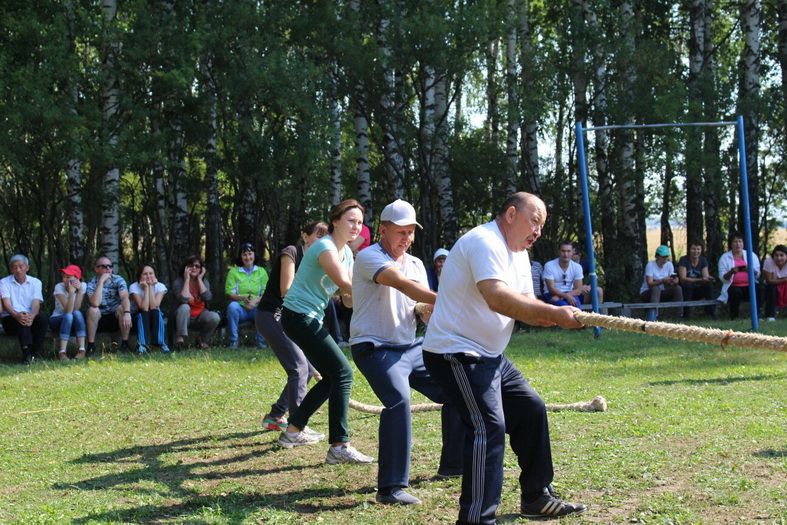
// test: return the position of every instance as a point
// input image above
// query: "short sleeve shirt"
(312, 288)
(695, 272)
(110, 297)
(271, 297)
(563, 279)
(383, 315)
(21, 295)
(136, 289)
(462, 321)
(538, 271)
(653, 271)
(60, 289)
(770, 266)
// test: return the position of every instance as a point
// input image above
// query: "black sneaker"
(549, 506)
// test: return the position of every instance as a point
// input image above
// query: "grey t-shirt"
(381, 314)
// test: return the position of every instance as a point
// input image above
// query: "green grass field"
(694, 434)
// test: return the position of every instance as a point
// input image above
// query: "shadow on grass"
(769, 453)
(717, 380)
(160, 464)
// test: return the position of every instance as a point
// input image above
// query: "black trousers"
(493, 399)
(31, 338)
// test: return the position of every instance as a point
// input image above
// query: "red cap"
(72, 270)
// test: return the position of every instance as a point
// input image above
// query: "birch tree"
(110, 190)
(512, 120)
(529, 126)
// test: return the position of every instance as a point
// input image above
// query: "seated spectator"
(109, 308)
(244, 286)
(192, 293)
(734, 273)
(67, 315)
(433, 273)
(695, 279)
(585, 264)
(563, 278)
(22, 316)
(146, 296)
(660, 283)
(537, 269)
(775, 269)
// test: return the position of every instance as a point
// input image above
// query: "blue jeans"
(237, 315)
(391, 371)
(64, 323)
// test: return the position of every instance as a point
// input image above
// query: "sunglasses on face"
(105, 266)
(197, 266)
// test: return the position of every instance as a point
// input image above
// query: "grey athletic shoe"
(313, 433)
(296, 439)
(346, 454)
(397, 496)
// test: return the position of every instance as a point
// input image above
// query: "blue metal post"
(755, 322)
(583, 171)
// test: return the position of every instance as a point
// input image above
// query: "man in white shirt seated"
(563, 278)
(22, 315)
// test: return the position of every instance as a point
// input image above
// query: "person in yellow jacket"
(244, 286)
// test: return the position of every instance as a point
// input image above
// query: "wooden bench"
(603, 308)
(627, 308)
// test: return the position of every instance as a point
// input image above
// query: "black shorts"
(108, 323)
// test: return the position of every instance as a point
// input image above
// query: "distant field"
(679, 234)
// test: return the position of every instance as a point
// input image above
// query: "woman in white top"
(67, 315)
(734, 274)
(146, 296)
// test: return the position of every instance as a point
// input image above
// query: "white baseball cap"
(400, 213)
(440, 252)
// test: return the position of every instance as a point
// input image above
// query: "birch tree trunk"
(631, 246)
(213, 224)
(394, 161)
(336, 144)
(76, 222)
(529, 122)
(363, 173)
(749, 106)
(782, 6)
(714, 245)
(442, 176)
(666, 201)
(694, 157)
(492, 123)
(512, 124)
(110, 209)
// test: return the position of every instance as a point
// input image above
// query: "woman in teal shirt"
(326, 267)
(244, 286)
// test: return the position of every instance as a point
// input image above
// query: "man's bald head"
(521, 200)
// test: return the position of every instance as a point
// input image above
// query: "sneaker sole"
(288, 444)
(332, 461)
(543, 517)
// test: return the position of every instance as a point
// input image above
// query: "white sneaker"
(296, 439)
(346, 454)
(318, 435)
(771, 319)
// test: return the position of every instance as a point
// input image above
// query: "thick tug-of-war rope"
(699, 334)
(597, 404)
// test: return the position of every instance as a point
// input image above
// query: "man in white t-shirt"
(390, 289)
(660, 282)
(563, 278)
(486, 285)
(22, 315)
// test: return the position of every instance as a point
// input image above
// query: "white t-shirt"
(381, 314)
(20, 295)
(563, 279)
(135, 288)
(770, 266)
(462, 321)
(60, 289)
(652, 269)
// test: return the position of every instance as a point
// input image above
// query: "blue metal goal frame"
(744, 199)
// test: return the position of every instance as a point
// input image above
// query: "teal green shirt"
(312, 288)
(239, 282)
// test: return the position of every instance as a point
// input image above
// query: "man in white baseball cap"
(389, 292)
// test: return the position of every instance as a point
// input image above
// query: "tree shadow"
(718, 380)
(771, 453)
(158, 466)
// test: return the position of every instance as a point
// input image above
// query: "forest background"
(148, 130)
